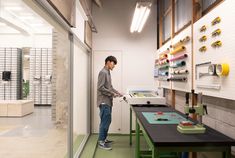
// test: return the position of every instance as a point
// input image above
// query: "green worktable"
(151, 119)
(165, 139)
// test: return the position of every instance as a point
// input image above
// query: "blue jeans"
(105, 121)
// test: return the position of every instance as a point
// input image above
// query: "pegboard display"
(162, 66)
(214, 55)
(10, 74)
(41, 76)
(181, 61)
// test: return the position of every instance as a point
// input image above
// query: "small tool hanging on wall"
(216, 21)
(203, 39)
(217, 32)
(156, 61)
(179, 72)
(163, 73)
(179, 64)
(211, 71)
(164, 67)
(163, 62)
(200, 65)
(222, 69)
(183, 56)
(216, 70)
(203, 28)
(163, 56)
(162, 79)
(177, 79)
(180, 42)
(209, 86)
(216, 44)
(177, 50)
(203, 49)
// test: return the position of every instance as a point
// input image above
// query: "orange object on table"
(186, 123)
(159, 113)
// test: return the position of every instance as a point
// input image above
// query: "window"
(207, 5)
(166, 20)
(166, 27)
(183, 14)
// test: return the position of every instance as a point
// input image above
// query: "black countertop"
(167, 135)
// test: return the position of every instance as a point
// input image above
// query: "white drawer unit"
(41, 76)
(10, 73)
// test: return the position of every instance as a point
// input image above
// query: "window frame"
(211, 7)
(197, 14)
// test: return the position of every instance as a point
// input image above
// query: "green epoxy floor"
(121, 148)
(90, 147)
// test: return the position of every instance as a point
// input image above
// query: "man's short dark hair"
(111, 59)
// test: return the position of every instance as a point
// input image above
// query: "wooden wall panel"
(66, 9)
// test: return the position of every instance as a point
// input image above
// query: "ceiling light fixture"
(13, 8)
(142, 11)
(27, 18)
(3, 24)
(36, 24)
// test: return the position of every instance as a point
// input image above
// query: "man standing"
(105, 95)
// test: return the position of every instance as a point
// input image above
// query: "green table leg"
(156, 154)
(130, 126)
(137, 148)
(227, 153)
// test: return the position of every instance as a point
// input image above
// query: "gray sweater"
(105, 90)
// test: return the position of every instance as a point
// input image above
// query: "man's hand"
(117, 95)
(120, 95)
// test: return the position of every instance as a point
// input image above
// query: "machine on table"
(142, 97)
(188, 127)
(163, 137)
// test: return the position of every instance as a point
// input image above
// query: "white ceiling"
(17, 17)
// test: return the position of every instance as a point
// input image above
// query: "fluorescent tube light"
(144, 20)
(140, 17)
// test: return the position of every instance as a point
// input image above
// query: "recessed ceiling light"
(15, 8)
(2, 24)
(25, 14)
(27, 18)
(36, 24)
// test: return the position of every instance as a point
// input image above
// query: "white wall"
(81, 96)
(80, 90)
(80, 22)
(113, 22)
